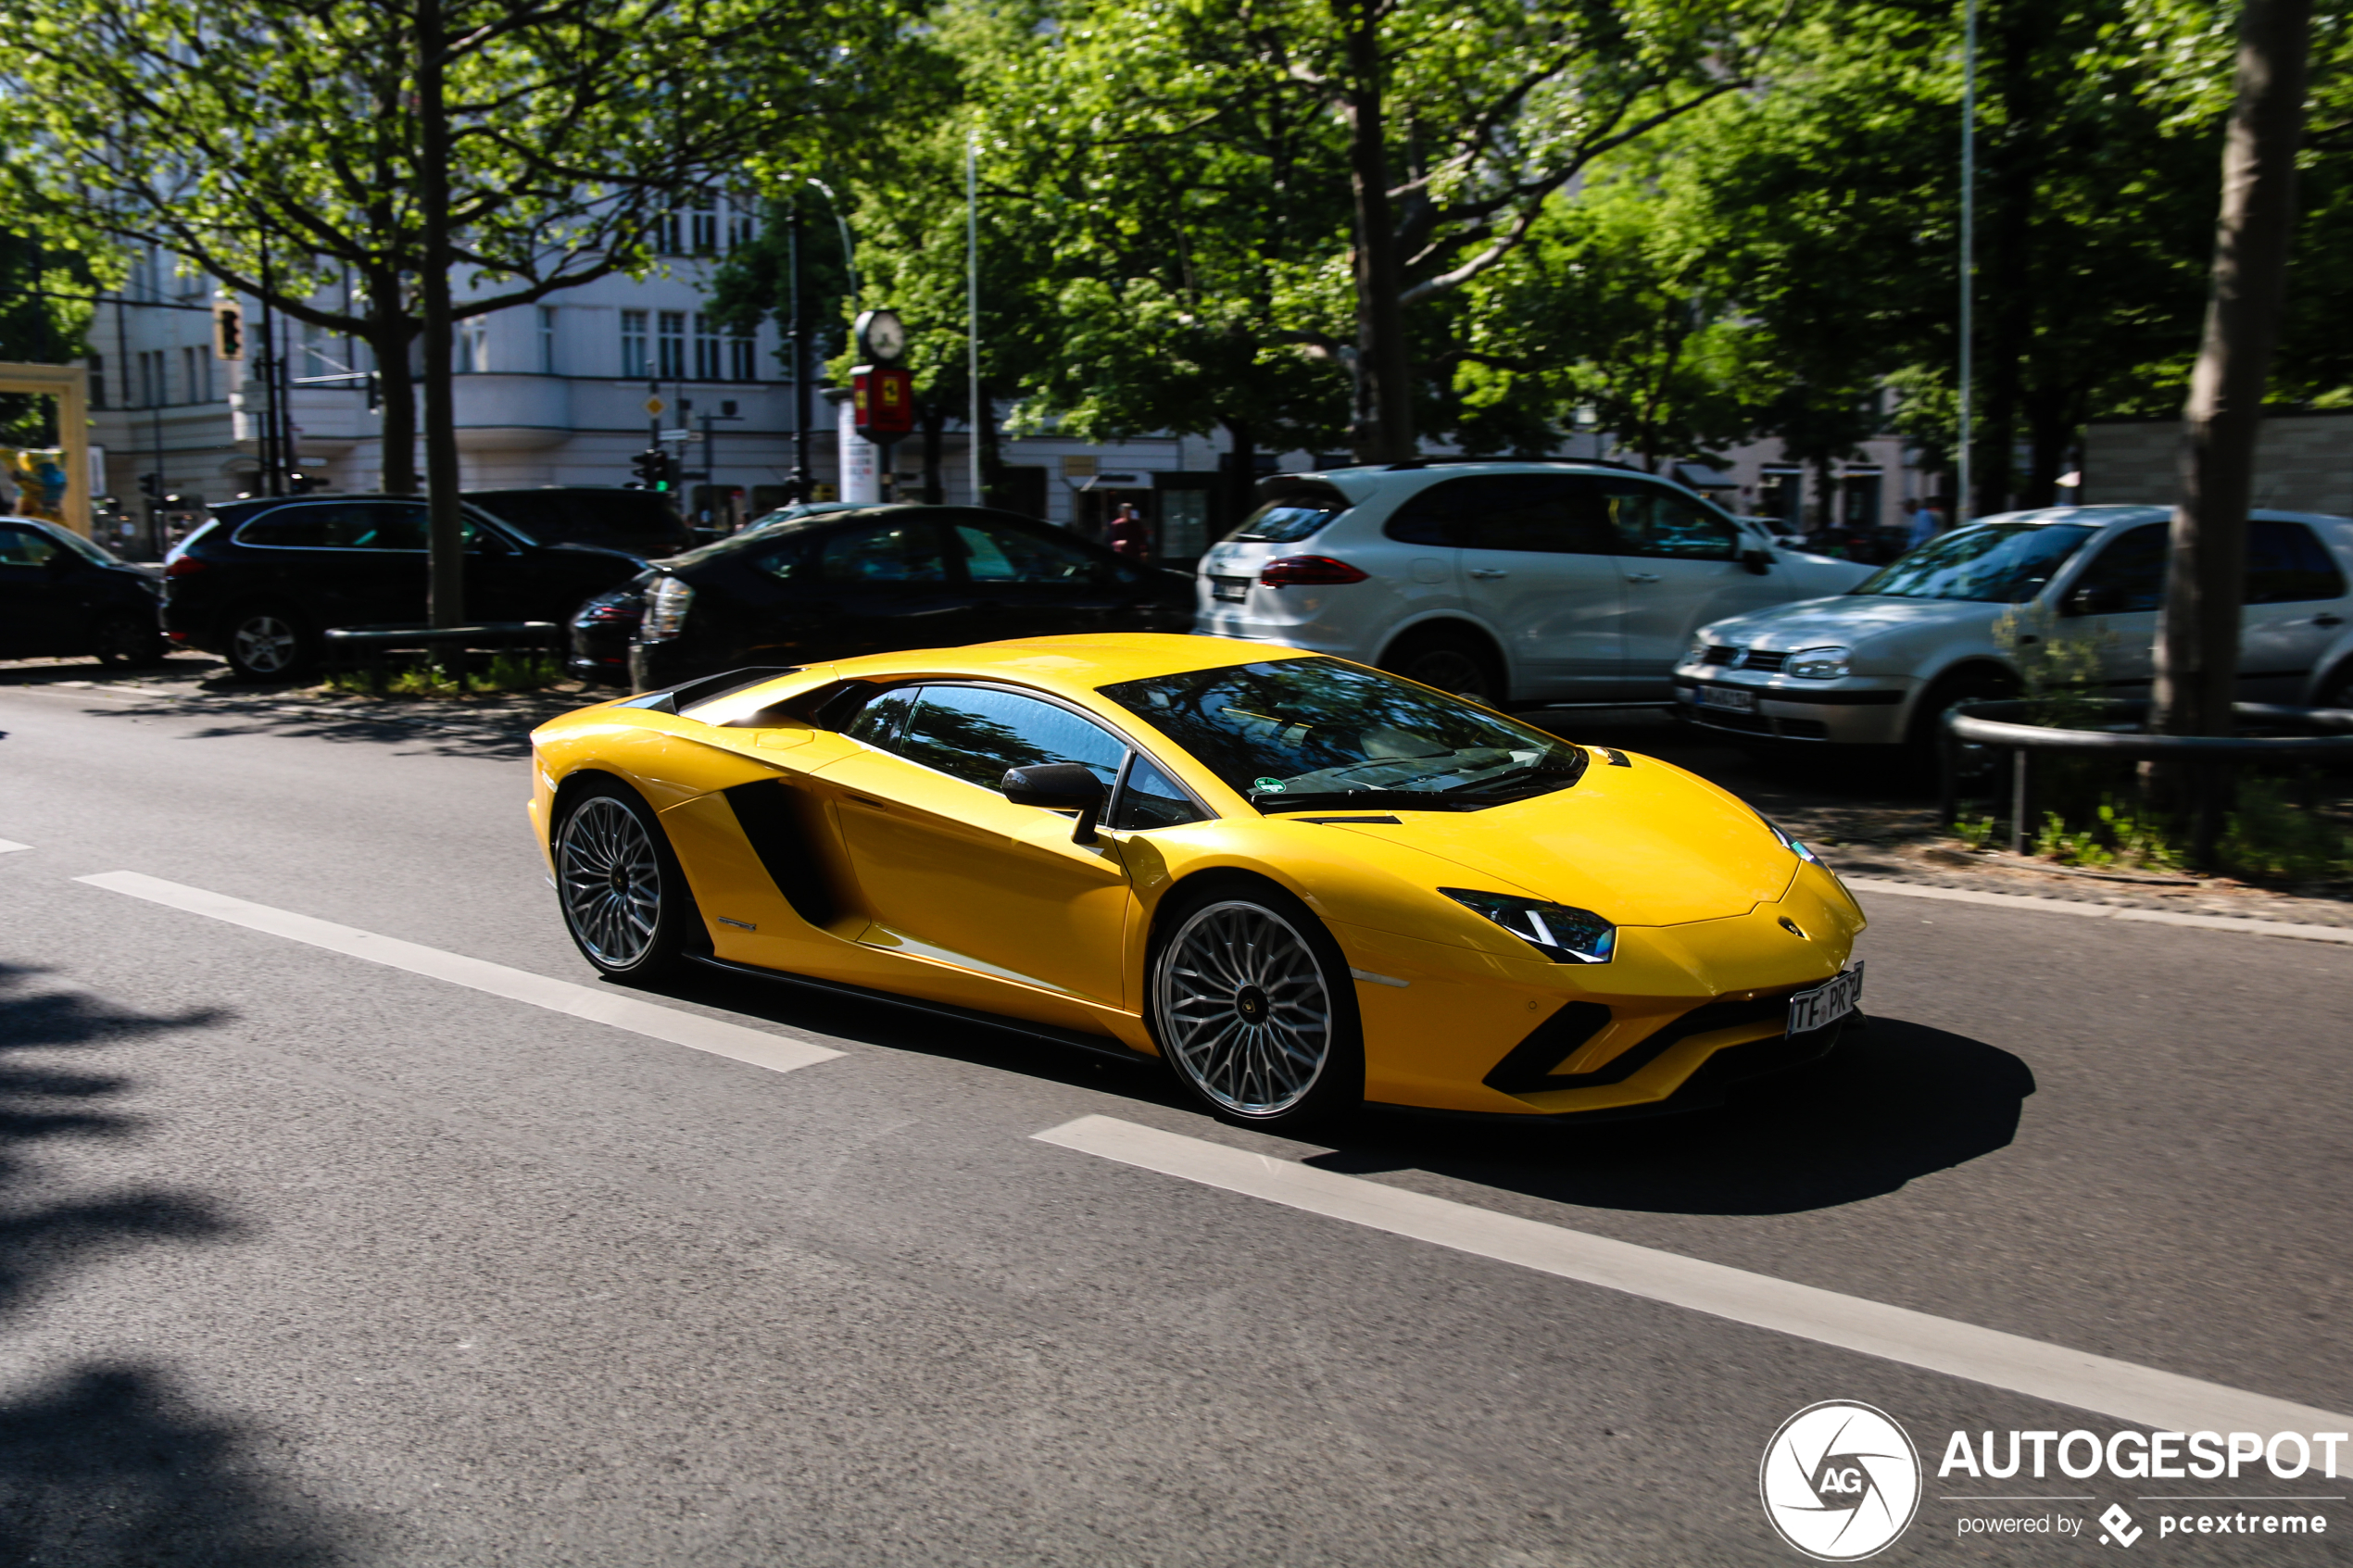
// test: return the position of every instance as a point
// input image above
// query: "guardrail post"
(2021, 799)
(1948, 748)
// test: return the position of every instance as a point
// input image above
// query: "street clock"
(882, 336)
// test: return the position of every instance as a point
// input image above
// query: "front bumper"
(1856, 712)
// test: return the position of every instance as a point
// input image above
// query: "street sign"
(655, 405)
(884, 399)
(678, 436)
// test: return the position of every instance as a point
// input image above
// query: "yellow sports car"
(1302, 882)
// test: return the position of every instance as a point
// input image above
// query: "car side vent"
(770, 811)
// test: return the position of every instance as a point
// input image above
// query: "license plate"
(1809, 1010)
(1232, 590)
(1731, 698)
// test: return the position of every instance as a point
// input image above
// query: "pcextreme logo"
(1840, 1480)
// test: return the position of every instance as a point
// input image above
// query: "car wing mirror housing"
(1058, 786)
(1758, 561)
(2088, 601)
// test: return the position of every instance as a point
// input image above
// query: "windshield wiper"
(1392, 799)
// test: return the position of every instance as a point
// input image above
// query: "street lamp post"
(1968, 246)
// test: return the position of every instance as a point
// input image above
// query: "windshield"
(1298, 734)
(1997, 562)
(88, 549)
(1288, 521)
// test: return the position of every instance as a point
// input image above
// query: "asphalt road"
(305, 1260)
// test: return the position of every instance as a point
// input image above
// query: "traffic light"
(151, 486)
(655, 469)
(228, 332)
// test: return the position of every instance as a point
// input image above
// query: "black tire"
(1253, 1006)
(1452, 661)
(624, 896)
(1923, 745)
(122, 641)
(269, 643)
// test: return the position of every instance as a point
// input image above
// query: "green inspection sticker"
(1267, 786)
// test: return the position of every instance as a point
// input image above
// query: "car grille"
(1718, 654)
(1758, 659)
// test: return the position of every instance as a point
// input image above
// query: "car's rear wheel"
(624, 899)
(1923, 750)
(1253, 1008)
(267, 644)
(125, 640)
(1452, 661)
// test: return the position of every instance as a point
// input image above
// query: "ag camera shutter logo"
(1840, 1481)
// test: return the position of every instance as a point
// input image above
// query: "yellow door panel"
(958, 869)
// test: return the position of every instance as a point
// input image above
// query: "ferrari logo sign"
(883, 402)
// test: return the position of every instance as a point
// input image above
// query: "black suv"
(879, 579)
(61, 596)
(260, 583)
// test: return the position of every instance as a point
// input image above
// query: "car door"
(1030, 580)
(2113, 601)
(1681, 566)
(1534, 564)
(947, 868)
(2296, 606)
(507, 582)
(877, 586)
(39, 613)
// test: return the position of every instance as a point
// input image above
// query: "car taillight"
(187, 566)
(1290, 571)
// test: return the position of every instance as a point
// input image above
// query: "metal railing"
(2209, 760)
(365, 647)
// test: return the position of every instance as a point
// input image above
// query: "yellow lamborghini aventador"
(1302, 882)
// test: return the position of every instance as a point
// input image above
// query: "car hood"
(1647, 844)
(1846, 620)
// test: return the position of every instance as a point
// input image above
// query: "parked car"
(63, 595)
(642, 523)
(1880, 664)
(1525, 582)
(260, 583)
(879, 579)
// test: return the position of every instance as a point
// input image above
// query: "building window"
(547, 340)
(315, 360)
(706, 230)
(633, 345)
(674, 345)
(191, 387)
(667, 236)
(472, 350)
(743, 358)
(151, 381)
(740, 225)
(97, 363)
(707, 367)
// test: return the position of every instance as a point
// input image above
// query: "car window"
(641, 522)
(25, 547)
(2285, 563)
(883, 552)
(2129, 572)
(878, 721)
(976, 733)
(1309, 733)
(1287, 521)
(1549, 513)
(1991, 562)
(1152, 799)
(994, 553)
(1648, 521)
(338, 525)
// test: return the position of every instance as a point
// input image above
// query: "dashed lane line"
(777, 1053)
(2101, 912)
(2140, 1395)
(10, 846)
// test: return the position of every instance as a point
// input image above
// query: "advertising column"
(861, 473)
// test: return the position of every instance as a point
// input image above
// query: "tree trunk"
(1241, 483)
(1384, 414)
(2197, 638)
(934, 420)
(445, 598)
(396, 393)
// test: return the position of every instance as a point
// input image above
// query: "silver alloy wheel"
(265, 644)
(610, 879)
(1243, 1011)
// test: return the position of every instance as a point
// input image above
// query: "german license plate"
(1826, 1004)
(1731, 698)
(1233, 590)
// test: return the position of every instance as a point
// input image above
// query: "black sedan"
(878, 578)
(62, 596)
(260, 582)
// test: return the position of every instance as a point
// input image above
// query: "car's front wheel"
(626, 900)
(1253, 1008)
(123, 640)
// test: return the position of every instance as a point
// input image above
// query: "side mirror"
(1058, 786)
(1758, 561)
(2090, 601)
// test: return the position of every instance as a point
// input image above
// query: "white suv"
(1506, 581)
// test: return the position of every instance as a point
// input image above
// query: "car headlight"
(1561, 933)
(666, 607)
(1817, 664)
(1792, 845)
(1697, 652)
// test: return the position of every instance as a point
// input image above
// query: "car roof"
(1077, 663)
(2111, 512)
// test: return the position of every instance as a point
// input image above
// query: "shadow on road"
(107, 1464)
(1898, 1101)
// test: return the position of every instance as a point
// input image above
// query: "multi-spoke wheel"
(624, 900)
(1253, 1009)
(266, 644)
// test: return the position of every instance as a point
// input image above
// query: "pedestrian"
(1927, 523)
(1127, 535)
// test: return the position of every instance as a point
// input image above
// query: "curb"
(2101, 912)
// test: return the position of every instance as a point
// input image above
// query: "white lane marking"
(777, 1053)
(2100, 911)
(9, 846)
(2142, 1395)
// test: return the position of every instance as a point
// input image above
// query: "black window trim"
(1112, 801)
(483, 522)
